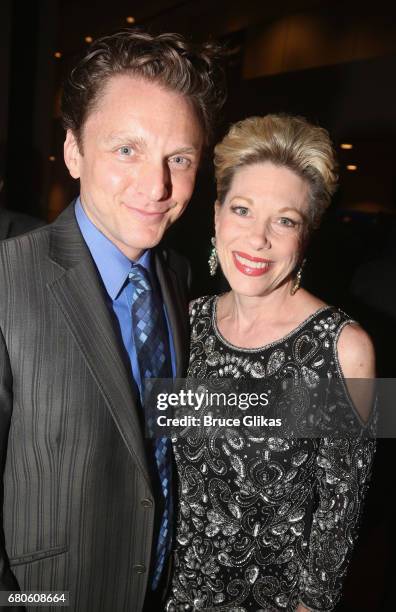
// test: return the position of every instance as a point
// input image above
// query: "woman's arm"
(357, 360)
(342, 473)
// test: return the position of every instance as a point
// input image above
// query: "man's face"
(140, 152)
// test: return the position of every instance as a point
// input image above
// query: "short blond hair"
(283, 140)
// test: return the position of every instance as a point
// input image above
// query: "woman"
(266, 526)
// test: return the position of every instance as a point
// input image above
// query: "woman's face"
(259, 228)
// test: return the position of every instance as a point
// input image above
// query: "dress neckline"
(291, 333)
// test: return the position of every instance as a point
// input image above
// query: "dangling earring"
(297, 280)
(213, 261)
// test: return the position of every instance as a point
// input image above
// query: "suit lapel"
(176, 309)
(79, 293)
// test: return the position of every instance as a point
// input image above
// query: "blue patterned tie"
(152, 349)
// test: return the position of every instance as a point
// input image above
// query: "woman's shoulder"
(353, 351)
(309, 301)
(200, 305)
(356, 352)
(354, 344)
(350, 336)
(324, 313)
(351, 342)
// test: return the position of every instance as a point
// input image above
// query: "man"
(91, 308)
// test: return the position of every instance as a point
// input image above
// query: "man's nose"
(154, 181)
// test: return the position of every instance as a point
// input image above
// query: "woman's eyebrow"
(238, 197)
(292, 209)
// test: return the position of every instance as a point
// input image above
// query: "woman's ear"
(217, 208)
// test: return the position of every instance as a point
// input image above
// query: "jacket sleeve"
(343, 471)
(8, 581)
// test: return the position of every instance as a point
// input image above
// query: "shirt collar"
(112, 264)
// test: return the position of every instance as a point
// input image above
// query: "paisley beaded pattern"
(266, 523)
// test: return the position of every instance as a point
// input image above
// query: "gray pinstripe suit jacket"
(78, 502)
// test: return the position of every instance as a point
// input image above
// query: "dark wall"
(23, 165)
(5, 31)
(29, 64)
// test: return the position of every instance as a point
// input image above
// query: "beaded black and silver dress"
(263, 526)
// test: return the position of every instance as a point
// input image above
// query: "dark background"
(332, 62)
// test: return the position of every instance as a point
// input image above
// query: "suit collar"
(81, 298)
(67, 247)
(112, 264)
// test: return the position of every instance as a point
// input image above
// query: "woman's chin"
(257, 287)
(249, 289)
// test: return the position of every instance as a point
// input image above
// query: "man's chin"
(144, 243)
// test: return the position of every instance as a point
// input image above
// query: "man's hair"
(283, 140)
(174, 63)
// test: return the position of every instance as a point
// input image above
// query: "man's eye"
(242, 211)
(125, 150)
(180, 161)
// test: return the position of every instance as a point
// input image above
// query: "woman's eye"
(287, 222)
(242, 211)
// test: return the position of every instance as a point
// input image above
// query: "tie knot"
(138, 276)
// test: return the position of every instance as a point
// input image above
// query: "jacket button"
(146, 503)
(139, 568)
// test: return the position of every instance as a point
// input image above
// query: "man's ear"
(72, 154)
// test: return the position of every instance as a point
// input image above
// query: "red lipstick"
(251, 266)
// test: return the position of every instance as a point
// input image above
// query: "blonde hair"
(283, 140)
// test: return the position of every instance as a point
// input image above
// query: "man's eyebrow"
(124, 138)
(191, 149)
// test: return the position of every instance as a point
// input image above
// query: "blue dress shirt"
(114, 267)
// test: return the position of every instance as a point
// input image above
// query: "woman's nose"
(259, 238)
